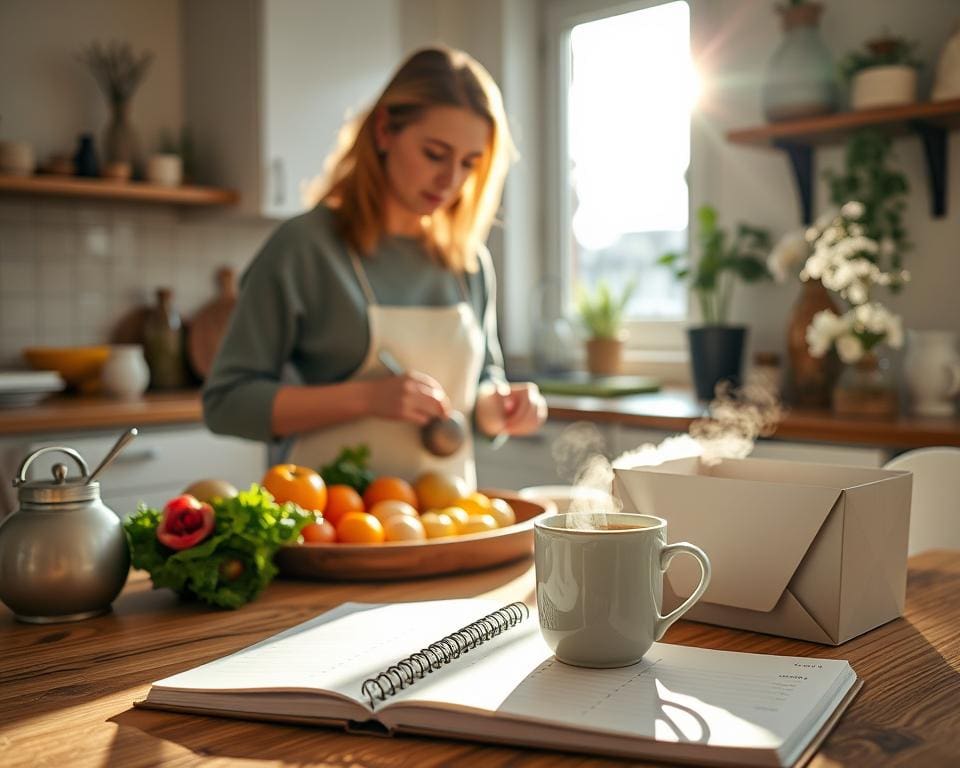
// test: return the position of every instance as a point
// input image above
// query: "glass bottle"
(163, 344)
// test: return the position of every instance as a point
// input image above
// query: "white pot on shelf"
(886, 86)
(165, 170)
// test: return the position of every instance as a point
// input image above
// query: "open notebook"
(381, 669)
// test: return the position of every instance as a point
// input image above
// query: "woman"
(390, 261)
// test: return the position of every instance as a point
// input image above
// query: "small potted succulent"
(716, 347)
(882, 75)
(601, 313)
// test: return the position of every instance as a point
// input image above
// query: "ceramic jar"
(883, 87)
(165, 170)
(800, 80)
(16, 158)
(125, 374)
(932, 367)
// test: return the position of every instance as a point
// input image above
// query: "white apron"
(443, 342)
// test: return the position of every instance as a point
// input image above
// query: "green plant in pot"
(883, 74)
(716, 347)
(602, 313)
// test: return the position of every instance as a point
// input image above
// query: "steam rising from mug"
(736, 419)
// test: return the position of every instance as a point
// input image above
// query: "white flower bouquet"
(855, 333)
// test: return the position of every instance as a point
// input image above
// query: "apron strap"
(362, 278)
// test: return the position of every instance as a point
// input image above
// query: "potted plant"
(716, 347)
(601, 313)
(883, 75)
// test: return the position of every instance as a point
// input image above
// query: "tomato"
(340, 500)
(360, 528)
(301, 485)
(439, 489)
(185, 522)
(384, 510)
(394, 488)
(404, 528)
(502, 512)
(319, 532)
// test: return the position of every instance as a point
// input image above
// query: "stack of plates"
(23, 388)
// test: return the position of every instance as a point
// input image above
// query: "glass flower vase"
(120, 145)
(866, 389)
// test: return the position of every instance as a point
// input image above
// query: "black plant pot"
(716, 354)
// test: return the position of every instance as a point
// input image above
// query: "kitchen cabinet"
(266, 101)
(153, 468)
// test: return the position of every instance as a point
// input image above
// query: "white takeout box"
(802, 550)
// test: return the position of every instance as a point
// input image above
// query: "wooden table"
(66, 690)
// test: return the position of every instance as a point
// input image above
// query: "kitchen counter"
(671, 410)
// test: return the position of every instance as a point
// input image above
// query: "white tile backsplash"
(69, 271)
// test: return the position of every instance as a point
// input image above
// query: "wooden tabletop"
(67, 690)
(671, 410)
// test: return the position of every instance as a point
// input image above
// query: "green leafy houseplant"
(722, 261)
(233, 563)
(601, 311)
(869, 180)
(883, 52)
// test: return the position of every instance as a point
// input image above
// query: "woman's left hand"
(514, 409)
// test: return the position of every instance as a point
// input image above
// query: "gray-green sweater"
(301, 317)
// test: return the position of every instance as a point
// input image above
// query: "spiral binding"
(417, 665)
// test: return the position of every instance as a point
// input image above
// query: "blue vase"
(801, 79)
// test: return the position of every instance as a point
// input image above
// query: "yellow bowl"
(77, 365)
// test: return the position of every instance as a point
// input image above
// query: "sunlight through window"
(630, 96)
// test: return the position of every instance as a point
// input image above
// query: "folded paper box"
(803, 550)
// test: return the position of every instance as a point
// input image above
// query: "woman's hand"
(514, 409)
(412, 396)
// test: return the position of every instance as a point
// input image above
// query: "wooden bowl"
(414, 559)
(75, 365)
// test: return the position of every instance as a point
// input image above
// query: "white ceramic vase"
(125, 374)
(932, 366)
(885, 86)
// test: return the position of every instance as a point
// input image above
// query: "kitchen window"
(622, 86)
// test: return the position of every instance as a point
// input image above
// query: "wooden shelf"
(931, 121)
(104, 189)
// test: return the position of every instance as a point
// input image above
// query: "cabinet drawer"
(161, 459)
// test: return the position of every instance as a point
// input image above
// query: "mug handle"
(666, 555)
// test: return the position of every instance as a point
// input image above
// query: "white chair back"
(935, 507)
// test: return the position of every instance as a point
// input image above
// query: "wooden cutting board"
(209, 324)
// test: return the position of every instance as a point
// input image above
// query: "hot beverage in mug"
(600, 585)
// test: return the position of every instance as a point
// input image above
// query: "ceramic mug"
(600, 585)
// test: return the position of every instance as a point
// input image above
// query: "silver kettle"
(63, 553)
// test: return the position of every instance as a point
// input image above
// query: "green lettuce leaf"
(232, 566)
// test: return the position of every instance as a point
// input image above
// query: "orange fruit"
(502, 512)
(459, 515)
(360, 528)
(475, 503)
(319, 532)
(404, 528)
(387, 487)
(438, 525)
(301, 485)
(479, 524)
(384, 510)
(436, 490)
(341, 499)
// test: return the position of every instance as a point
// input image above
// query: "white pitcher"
(932, 367)
(125, 374)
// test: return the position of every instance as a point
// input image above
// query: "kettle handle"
(22, 472)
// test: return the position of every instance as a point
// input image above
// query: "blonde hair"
(355, 181)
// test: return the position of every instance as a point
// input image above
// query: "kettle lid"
(61, 488)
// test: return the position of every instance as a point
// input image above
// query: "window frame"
(647, 338)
